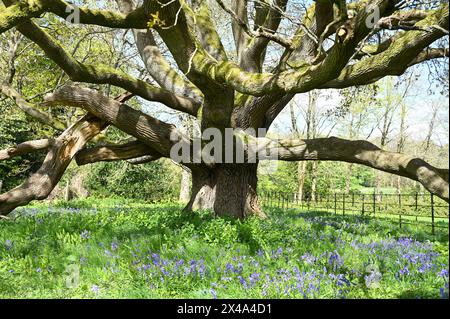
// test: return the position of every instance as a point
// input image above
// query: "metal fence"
(407, 209)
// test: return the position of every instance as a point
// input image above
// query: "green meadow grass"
(129, 249)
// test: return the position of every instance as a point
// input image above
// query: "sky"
(419, 102)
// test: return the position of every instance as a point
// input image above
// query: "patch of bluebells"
(304, 275)
(155, 266)
(444, 291)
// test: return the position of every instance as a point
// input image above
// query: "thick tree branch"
(365, 153)
(401, 54)
(64, 148)
(103, 74)
(18, 12)
(25, 148)
(157, 66)
(148, 130)
(110, 153)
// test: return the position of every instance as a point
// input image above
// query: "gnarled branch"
(433, 179)
(111, 153)
(102, 74)
(25, 148)
(64, 148)
(150, 131)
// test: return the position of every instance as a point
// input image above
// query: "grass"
(123, 249)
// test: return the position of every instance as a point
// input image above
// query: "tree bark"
(228, 190)
(61, 153)
(347, 178)
(314, 181)
(184, 187)
(301, 171)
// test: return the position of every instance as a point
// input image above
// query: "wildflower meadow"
(120, 249)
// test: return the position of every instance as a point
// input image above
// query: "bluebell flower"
(444, 273)
(404, 271)
(114, 246)
(242, 281)
(254, 278)
(85, 235)
(8, 244)
(95, 289)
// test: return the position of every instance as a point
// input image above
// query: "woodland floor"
(123, 249)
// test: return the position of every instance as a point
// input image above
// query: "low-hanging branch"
(110, 153)
(40, 184)
(150, 131)
(25, 148)
(365, 153)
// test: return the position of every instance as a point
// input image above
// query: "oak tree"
(334, 44)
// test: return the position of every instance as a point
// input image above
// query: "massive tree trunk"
(228, 190)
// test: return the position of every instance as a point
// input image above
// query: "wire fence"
(407, 209)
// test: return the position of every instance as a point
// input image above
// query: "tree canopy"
(279, 48)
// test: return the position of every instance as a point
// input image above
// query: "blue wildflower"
(85, 235)
(95, 289)
(8, 244)
(214, 293)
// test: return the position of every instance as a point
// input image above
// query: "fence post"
(343, 204)
(400, 219)
(417, 201)
(374, 203)
(363, 204)
(432, 215)
(335, 203)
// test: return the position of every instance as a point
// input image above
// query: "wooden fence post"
(374, 203)
(363, 197)
(335, 203)
(432, 215)
(343, 204)
(417, 201)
